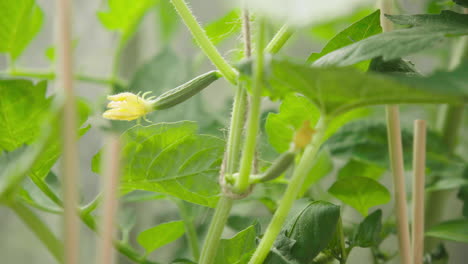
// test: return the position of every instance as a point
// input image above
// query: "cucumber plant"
(295, 167)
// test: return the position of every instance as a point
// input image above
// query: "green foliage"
(20, 22)
(368, 232)
(360, 193)
(462, 2)
(425, 32)
(454, 230)
(305, 235)
(364, 28)
(356, 167)
(168, 20)
(237, 249)
(170, 158)
(280, 127)
(367, 142)
(160, 235)
(23, 106)
(337, 90)
(124, 16)
(224, 27)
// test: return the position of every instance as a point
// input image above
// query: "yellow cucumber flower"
(128, 106)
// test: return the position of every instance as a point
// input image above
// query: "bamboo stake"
(110, 202)
(396, 158)
(419, 166)
(70, 155)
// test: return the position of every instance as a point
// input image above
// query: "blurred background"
(149, 64)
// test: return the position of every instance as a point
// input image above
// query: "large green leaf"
(160, 235)
(280, 127)
(305, 235)
(454, 230)
(124, 15)
(20, 21)
(367, 142)
(224, 27)
(364, 28)
(23, 106)
(170, 158)
(425, 32)
(337, 90)
(237, 249)
(360, 193)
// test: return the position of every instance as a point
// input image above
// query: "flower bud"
(303, 135)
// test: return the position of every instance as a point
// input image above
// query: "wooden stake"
(396, 157)
(419, 166)
(69, 135)
(396, 160)
(110, 202)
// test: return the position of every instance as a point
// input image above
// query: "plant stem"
(279, 40)
(419, 167)
(223, 208)
(40, 229)
(204, 42)
(52, 76)
(344, 255)
(110, 203)
(290, 195)
(191, 232)
(396, 160)
(69, 134)
(253, 120)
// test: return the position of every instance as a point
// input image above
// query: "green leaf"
(447, 184)
(328, 29)
(323, 165)
(338, 90)
(170, 158)
(367, 233)
(454, 82)
(168, 20)
(280, 127)
(364, 28)
(23, 106)
(356, 167)
(160, 235)
(20, 22)
(224, 27)
(308, 233)
(425, 32)
(124, 16)
(360, 193)
(454, 230)
(238, 249)
(462, 2)
(366, 141)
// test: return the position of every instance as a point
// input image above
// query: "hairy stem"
(290, 195)
(204, 42)
(40, 229)
(279, 40)
(253, 120)
(223, 208)
(344, 255)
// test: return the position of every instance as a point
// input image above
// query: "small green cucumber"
(185, 91)
(279, 166)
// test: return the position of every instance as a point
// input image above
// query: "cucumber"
(185, 91)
